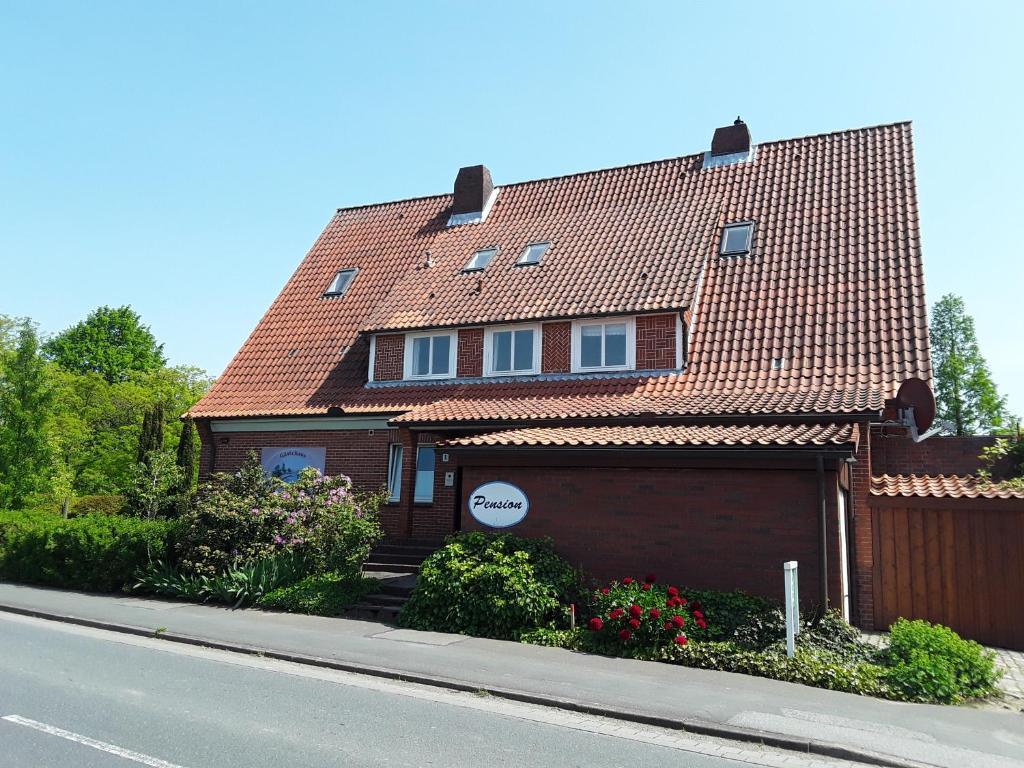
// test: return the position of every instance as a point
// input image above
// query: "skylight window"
(533, 254)
(341, 282)
(480, 259)
(736, 239)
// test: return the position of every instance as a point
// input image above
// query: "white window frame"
(453, 352)
(433, 480)
(577, 346)
(521, 261)
(396, 455)
(749, 226)
(489, 349)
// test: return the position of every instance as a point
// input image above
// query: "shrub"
(631, 615)
(324, 594)
(248, 516)
(99, 504)
(491, 585)
(91, 552)
(930, 662)
(758, 620)
(570, 639)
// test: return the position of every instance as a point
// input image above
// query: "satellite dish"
(916, 394)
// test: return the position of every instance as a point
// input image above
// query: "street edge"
(700, 727)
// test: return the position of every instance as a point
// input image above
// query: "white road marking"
(740, 752)
(113, 749)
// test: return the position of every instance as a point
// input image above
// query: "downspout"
(823, 531)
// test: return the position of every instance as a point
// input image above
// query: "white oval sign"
(498, 504)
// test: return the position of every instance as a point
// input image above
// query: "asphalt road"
(71, 696)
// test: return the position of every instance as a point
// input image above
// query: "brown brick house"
(682, 365)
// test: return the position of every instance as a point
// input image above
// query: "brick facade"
(894, 453)
(471, 352)
(714, 528)
(389, 357)
(556, 348)
(655, 342)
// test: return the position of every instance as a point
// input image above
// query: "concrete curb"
(701, 727)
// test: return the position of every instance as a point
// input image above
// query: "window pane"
(533, 253)
(395, 472)
(524, 349)
(341, 282)
(424, 473)
(421, 357)
(736, 239)
(590, 346)
(502, 342)
(439, 362)
(481, 259)
(615, 344)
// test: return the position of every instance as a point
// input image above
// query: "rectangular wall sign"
(286, 463)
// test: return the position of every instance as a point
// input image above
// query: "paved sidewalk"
(944, 736)
(1011, 663)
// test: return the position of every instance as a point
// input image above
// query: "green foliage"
(91, 552)
(26, 397)
(152, 492)
(1003, 463)
(491, 585)
(930, 662)
(324, 594)
(98, 504)
(151, 438)
(185, 457)
(111, 342)
(966, 396)
(750, 619)
(249, 516)
(239, 585)
(571, 639)
(631, 615)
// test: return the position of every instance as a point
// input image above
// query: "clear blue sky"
(182, 157)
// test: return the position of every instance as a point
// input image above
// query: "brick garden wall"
(711, 528)
(894, 453)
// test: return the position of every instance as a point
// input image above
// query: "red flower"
(625, 634)
(628, 580)
(681, 600)
(634, 623)
(605, 590)
(650, 578)
(636, 611)
(673, 591)
(681, 640)
(655, 613)
(647, 587)
(698, 615)
(702, 624)
(616, 613)
(667, 625)
(678, 621)
(673, 601)
(596, 624)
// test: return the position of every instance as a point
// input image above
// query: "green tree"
(966, 396)
(153, 482)
(186, 457)
(111, 342)
(26, 396)
(151, 439)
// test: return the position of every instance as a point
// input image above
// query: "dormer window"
(533, 254)
(736, 239)
(430, 355)
(341, 282)
(603, 345)
(512, 350)
(480, 259)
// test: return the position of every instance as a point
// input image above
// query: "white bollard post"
(792, 606)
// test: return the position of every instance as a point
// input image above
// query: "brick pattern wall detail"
(655, 342)
(705, 528)
(471, 352)
(894, 453)
(862, 534)
(389, 357)
(556, 348)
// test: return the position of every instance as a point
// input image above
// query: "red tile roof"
(956, 486)
(834, 284)
(675, 435)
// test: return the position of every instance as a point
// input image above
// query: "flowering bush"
(640, 616)
(248, 516)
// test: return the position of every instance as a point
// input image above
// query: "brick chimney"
(473, 187)
(729, 140)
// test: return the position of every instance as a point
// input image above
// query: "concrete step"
(398, 558)
(405, 549)
(382, 598)
(378, 567)
(374, 612)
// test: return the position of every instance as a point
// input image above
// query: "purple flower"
(278, 540)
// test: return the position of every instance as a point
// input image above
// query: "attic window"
(736, 239)
(480, 259)
(533, 254)
(778, 363)
(341, 282)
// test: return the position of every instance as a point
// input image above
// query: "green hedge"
(325, 594)
(93, 552)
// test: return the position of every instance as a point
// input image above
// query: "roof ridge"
(641, 164)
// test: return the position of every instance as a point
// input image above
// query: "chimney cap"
(731, 139)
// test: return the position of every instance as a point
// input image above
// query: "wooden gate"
(955, 561)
